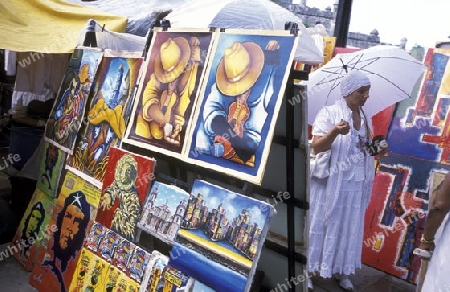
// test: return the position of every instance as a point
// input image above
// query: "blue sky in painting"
(109, 83)
(169, 194)
(92, 58)
(233, 203)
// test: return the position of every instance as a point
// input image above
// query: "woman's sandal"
(346, 284)
(310, 285)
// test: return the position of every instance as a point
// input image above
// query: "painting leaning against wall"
(418, 140)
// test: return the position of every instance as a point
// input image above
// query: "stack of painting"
(204, 97)
(235, 82)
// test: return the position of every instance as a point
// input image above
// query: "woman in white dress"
(338, 202)
(437, 275)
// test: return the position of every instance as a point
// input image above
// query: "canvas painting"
(67, 114)
(117, 264)
(94, 237)
(222, 233)
(107, 114)
(168, 91)
(159, 276)
(50, 170)
(418, 138)
(83, 267)
(92, 273)
(73, 215)
(128, 177)
(239, 103)
(108, 245)
(34, 230)
(137, 264)
(163, 211)
(122, 255)
(125, 283)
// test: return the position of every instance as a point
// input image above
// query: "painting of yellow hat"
(171, 59)
(239, 68)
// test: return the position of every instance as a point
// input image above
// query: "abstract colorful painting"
(107, 113)
(239, 103)
(418, 140)
(222, 233)
(73, 215)
(33, 231)
(67, 114)
(169, 90)
(163, 211)
(128, 177)
(50, 170)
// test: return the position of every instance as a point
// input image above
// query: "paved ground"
(366, 280)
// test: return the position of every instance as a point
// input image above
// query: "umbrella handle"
(344, 66)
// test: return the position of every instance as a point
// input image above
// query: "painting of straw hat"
(171, 59)
(239, 68)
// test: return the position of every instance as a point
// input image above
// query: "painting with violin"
(168, 89)
(239, 102)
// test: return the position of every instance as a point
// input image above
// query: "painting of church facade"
(164, 211)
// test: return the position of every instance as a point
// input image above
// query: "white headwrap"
(354, 80)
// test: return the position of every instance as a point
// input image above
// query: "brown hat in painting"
(171, 59)
(239, 68)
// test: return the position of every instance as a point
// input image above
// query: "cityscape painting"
(221, 232)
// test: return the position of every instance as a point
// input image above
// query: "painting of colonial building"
(164, 211)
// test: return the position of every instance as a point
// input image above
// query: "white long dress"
(438, 272)
(338, 204)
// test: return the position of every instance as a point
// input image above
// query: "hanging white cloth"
(10, 63)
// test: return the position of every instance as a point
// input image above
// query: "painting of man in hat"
(169, 90)
(167, 94)
(241, 100)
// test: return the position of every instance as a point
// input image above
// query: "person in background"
(338, 201)
(436, 277)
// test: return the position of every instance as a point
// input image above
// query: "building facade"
(311, 16)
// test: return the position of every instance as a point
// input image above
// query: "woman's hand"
(342, 128)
